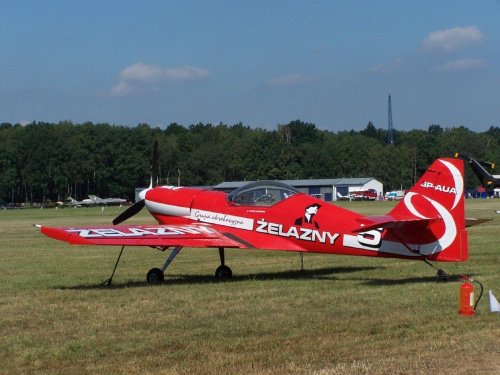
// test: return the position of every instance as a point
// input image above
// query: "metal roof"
(354, 181)
(303, 183)
(231, 185)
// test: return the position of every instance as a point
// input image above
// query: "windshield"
(261, 193)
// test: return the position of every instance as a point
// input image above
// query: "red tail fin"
(439, 194)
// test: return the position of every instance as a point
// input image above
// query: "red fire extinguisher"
(466, 302)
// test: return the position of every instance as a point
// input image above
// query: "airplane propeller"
(139, 205)
(129, 212)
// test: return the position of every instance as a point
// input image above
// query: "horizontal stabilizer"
(390, 222)
(470, 221)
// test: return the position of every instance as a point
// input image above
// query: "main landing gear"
(223, 271)
(157, 275)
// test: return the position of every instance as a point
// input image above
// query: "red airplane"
(428, 224)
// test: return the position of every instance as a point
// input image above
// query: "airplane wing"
(192, 235)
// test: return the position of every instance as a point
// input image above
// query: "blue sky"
(262, 63)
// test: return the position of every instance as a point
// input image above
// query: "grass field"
(342, 315)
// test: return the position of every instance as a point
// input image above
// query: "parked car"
(395, 195)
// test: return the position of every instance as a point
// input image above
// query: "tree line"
(41, 161)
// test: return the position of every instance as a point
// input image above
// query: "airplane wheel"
(155, 275)
(442, 276)
(223, 272)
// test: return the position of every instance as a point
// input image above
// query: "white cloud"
(451, 40)
(463, 64)
(142, 73)
(291, 80)
(122, 88)
(139, 78)
(387, 68)
(152, 73)
(183, 73)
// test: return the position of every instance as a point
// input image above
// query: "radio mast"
(390, 139)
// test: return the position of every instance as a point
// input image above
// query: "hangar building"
(325, 189)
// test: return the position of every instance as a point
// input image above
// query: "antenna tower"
(389, 127)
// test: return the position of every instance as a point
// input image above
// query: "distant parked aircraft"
(71, 202)
(107, 201)
(488, 180)
(341, 197)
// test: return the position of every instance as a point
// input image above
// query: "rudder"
(438, 195)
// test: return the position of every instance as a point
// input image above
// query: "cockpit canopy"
(261, 193)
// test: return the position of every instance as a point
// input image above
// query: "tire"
(223, 272)
(155, 275)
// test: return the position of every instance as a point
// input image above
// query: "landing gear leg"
(441, 274)
(223, 271)
(301, 262)
(108, 281)
(156, 275)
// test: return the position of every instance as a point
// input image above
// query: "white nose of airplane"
(142, 194)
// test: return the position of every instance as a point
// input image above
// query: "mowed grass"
(342, 315)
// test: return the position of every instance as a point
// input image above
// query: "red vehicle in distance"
(365, 195)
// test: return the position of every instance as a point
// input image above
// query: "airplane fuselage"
(285, 225)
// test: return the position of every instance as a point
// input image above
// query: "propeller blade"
(129, 212)
(139, 205)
